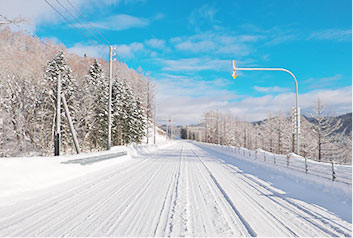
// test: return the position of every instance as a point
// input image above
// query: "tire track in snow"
(246, 225)
(175, 196)
(175, 214)
(294, 209)
(56, 212)
(124, 210)
(37, 209)
(285, 207)
(139, 217)
(90, 219)
(223, 217)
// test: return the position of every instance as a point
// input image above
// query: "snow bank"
(161, 136)
(318, 173)
(20, 176)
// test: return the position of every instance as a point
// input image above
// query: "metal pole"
(166, 130)
(58, 103)
(296, 95)
(218, 130)
(169, 128)
(110, 98)
(72, 129)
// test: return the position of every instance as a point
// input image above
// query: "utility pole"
(110, 98)
(154, 124)
(57, 133)
(166, 131)
(169, 128)
(72, 129)
(148, 108)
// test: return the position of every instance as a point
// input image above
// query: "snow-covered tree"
(58, 66)
(275, 134)
(325, 129)
(307, 139)
(344, 150)
(24, 90)
(211, 120)
(129, 120)
(95, 102)
(141, 121)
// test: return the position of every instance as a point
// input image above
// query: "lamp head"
(234, 75)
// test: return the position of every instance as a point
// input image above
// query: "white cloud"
(280, 38)
(322, 82)
(36, 11)
(204, 16)
(155, 43)
(129, 51)
(124, 21)
(332, 34)
(121, 22)
(200, 46)
(158, 16)
(90, 50)
(256, 108)
(224, 44)
(195, 64)
(185, 109)
(274, 89)
(186, 100)
(40, 12)
(333, 78)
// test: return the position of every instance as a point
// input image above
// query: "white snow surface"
(178, 189)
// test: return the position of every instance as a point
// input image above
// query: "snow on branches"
(322, 137)
(28, 97)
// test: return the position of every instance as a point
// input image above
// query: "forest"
(29, 69)
(323, 137)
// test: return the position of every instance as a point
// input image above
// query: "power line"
(88, 22)
(67, 20)
(12, 22)
(34, 35)
(73, 16)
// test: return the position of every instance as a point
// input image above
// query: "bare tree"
(325, 129)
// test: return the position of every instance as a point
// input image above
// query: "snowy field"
(321, 171)
(181, 189)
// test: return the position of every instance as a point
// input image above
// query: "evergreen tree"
(128, 115)
(58, 66)
(141, 121)
(96, 95)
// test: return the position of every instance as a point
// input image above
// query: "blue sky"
(188, 46)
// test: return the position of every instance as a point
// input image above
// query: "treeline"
(322, 139)
(28, 98)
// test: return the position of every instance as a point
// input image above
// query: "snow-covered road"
(182, 190)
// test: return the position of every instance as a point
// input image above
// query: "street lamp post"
(296, 93)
